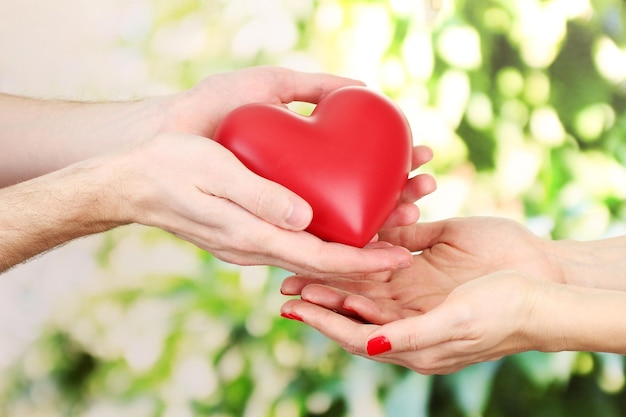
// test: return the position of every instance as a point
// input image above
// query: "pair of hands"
(468, 297)
(434, 317)
(152, 162)
(199, 191)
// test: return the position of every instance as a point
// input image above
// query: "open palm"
(450, 253)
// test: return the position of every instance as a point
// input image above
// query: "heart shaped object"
(350, 159)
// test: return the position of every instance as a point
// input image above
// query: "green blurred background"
(523, 102)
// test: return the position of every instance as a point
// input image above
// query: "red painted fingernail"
(378, 345)
(291, 316)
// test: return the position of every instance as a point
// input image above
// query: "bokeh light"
(522, 102)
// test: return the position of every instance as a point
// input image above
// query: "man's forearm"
(40, 136)
(50, 210)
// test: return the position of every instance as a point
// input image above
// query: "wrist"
(144, 119)
(592, 264)
(568, 256)
(52, 209)
(547, 326)
(106, 196)
(86, 197)
(583, 319)
(135, 178)
(192, 111)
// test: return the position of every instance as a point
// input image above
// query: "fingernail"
(291, 316)
(378, 345)
(348, 308)
(300, 215)
(404, 265)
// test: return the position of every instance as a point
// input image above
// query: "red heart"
(349, 160)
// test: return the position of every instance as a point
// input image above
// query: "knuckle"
(428, 364)
(267, 206)
(243, 244)
(234, 257)
(233, 244)
(260, 201)
(468, 327)
(426, 370)
(413, 341)
(316, 261)
(351, 347)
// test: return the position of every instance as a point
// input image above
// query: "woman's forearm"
(594, 264)
(576, 318)
(41, 136)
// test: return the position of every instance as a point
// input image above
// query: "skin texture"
(83, 168)
(479, 289)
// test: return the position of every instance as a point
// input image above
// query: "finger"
(332, 292)
(294, 284)
(310, 87)
(370, 310)
(406, 212)
(351, 335)
(328, 297)
(365, 308)
(231, 232)
(371, 283)
(415, 237)
(305, 254)
(368, 284)
(420, 156)
(296, 251)
(418, 187)
(359, 305)
(302, 253)
(412, 334)
(363, 339)
(403, 215)
(376, 244)
(265, 199)
(318, 258)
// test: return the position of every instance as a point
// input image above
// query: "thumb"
(416, 237)
(266, 199)
(411, 334)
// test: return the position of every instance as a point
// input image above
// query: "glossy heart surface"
(350, 159)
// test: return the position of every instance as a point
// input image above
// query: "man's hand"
(152, 162)
(197, 189)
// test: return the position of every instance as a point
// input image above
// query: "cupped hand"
(200, 109)
(258, 220)
(466, 248)
(197, 190)
(481, 320)
(450, 253)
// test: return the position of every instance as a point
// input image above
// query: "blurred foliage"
(523, 102)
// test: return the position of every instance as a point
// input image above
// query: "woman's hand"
(481, 320)
(451, 253)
